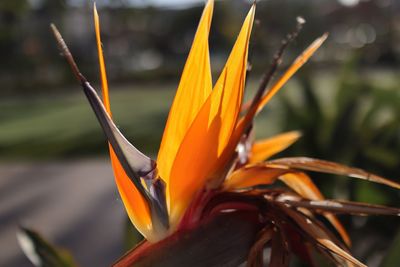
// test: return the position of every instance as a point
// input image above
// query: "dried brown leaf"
(344, 207)
(316, 233)
(280, 256)
(310, 164)
(255, 258)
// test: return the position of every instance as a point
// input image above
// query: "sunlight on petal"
(193, 90)
(211, 129)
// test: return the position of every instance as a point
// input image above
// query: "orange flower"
(208, 165)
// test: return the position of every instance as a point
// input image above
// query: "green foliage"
(356, 123)
(392, 257)
(16, 7)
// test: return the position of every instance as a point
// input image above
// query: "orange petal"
(266, 148)
(252, 175)
(193, 90)
(228, 91)
(135, 205)
(302, 184)
(297, 64)
(210, 131)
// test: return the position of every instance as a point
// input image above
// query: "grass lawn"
(62, 125)
(43, 127)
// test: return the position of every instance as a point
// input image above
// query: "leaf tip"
(95, 13)
(27, 245)
(300, 20)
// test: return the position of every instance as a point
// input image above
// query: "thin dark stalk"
(267, 77)
(277, 59)
(67, 55)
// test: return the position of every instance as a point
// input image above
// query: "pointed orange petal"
(297, 64)
(210, 131)
(193, 90)
(228, 91)
(103, 74)
(135, 205)
(302, 184)
(266, 148)
(252, 175)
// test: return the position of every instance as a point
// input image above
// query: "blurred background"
(54, 172)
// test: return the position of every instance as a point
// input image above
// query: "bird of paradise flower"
(210, 189)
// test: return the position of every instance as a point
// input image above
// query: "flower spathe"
(208, 163)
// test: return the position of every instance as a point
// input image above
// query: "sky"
(160, 3)
(143, 3)
(167, 2)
